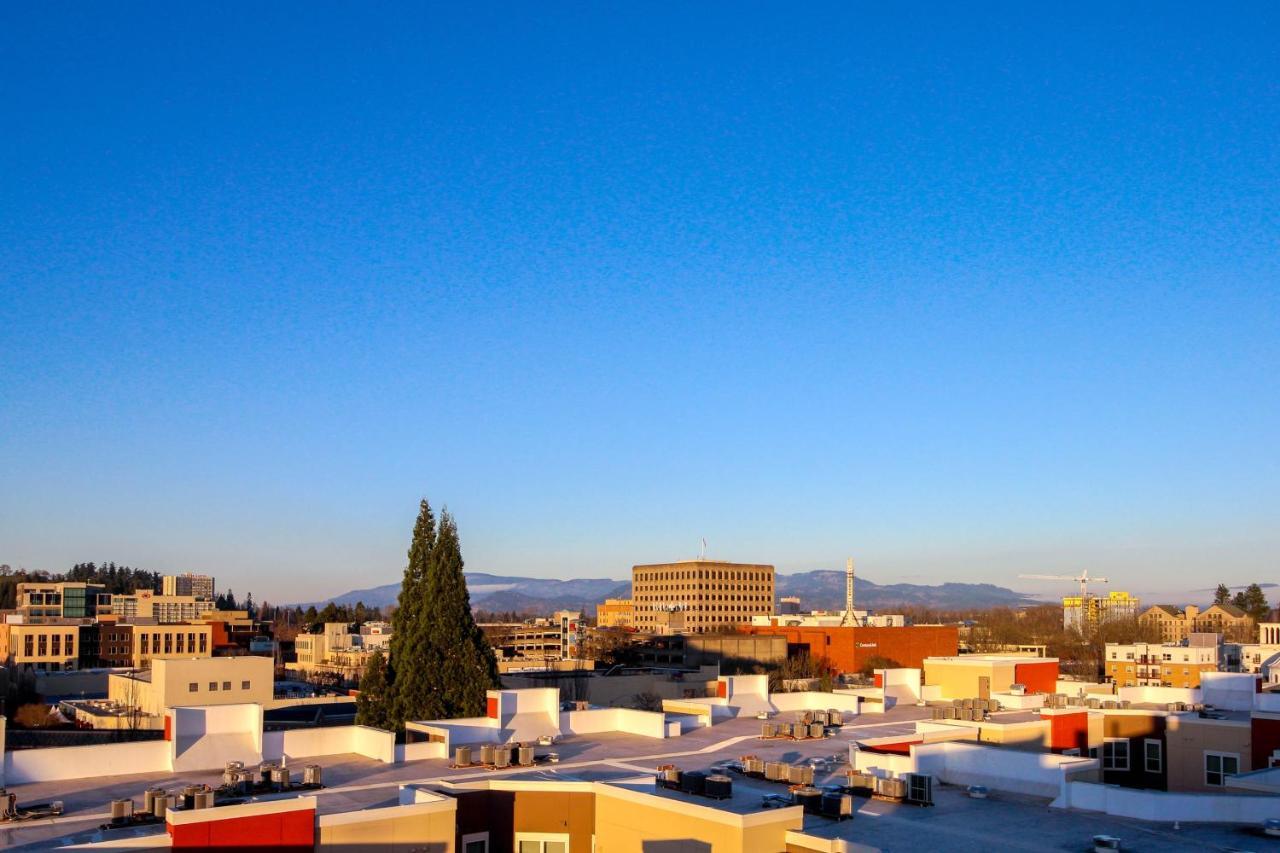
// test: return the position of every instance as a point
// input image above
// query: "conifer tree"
(414, 666)
(373, 702)
(467, 666)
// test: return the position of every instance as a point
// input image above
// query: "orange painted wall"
(849, 648)
(1068, 731)
(1038, 677)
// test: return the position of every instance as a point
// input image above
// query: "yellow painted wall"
(432, 833)
(626, 825)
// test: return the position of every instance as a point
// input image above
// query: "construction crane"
(1083, 579)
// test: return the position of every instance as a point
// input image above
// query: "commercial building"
(136, 645)
(146, 604)
(615, 613)
(710, 595)
(849, 649)
(1177, 624)
(38, 602)
(731, 652)
(833, 619)
(1084, 613)
(1161, 664)
(180, 682)
(188, 583)
(984, 676)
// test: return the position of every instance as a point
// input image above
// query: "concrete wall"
(1164, 806)
(208, 737)
(86, 762)
(1188, 737)
(1232, 691)
(1159, 695)
(848, 703)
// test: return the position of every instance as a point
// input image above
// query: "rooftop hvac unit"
(524, 756)
(487, 753)
(311, 775)
(836, 805)
(693, 782)
(775, 771)
(799, 774)
(1018, 689)
(189, 796)
(1105, 843)
(892, 789)
(834, 717)
(668, 776)
(768, 730)
(204, 799)
(935, 713)
(501, 757)
(810, 798)
(1094, 703)
(819, 718)
(121, 811)
(718, 787)
(967, 704)
(163, 805)
(462, 756)
(816, 730)
(978, 792)
(149, 797)
(920, 789)
(861, 782)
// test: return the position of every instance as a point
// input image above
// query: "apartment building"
(46, 646)
(188, 583)
(1263, 656)
(37, 602)
(711, 595)
(615, 613)
(1177, 624)
(1160, 664)
(1083, 614)
(136, 645)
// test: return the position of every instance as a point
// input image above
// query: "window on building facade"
(1218, 766)
(244, 685)
(213, 685)
(193, 687)
(1153, 755)
(1115, 754)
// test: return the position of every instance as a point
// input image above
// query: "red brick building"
(850, 648)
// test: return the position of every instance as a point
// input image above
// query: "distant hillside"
(818, 590)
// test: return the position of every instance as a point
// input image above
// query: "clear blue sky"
(963, 291)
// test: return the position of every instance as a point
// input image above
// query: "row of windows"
(42, 645)
(1115, 755)
(194, 687)
(702, 574)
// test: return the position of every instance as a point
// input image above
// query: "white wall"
(419, 751)
(1232, 691)
(1159, 695)
(644, 723)
(1164, 806)
(846, 703)
(334, 740)
(208, 736)
(901, 685)
(86, 762)
(1039, 774)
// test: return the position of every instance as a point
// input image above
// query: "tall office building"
(709, 595)
(198, 586)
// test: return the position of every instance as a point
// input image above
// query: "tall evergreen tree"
(1222, 595)
(373, 704)
(414, 666)
(468, 666)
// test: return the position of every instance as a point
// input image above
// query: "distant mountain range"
(817, 590)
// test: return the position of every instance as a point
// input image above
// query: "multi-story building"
(1085, 613)
(46, 646)
(63, 600)
(196, 586)
(712, 596)
(336, 651)
(136, 645)
(538, 641)
(1264, 655)
(145, 604)
(175, 682)
(1160, 664)
(615, 613)
(1176, 625)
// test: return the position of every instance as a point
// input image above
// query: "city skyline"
(965, 293)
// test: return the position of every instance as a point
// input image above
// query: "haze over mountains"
(820, 589)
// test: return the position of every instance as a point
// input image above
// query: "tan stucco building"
(136, 646)
(48, 646)
(172, 683)
(712, 596)
(615, 613)
(1177, 624)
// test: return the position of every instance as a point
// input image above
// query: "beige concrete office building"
(172, 683)
(712, 596)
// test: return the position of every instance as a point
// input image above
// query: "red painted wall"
(1068, 731)
(293, 830)
(492, 708)
(168, 727)
(1265, 737)
(878, 679)
(848, 648)
(1039, 677)
(722, 689)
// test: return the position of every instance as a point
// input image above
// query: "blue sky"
(964, 292)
